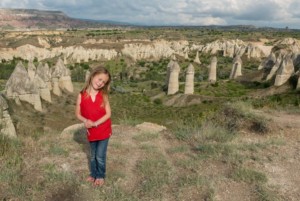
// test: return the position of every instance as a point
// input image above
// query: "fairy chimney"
(174, 57)
(189, 81)
(269, 62)
(236, 68)
(63, 75)
(173, 85)
(285, 71)
(275, 68)
(43, 71)
(169, 66)
(20, 86)
(197, 60)
(213, 70)
(6, 125)
(186, 56)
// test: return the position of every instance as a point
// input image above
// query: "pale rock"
(34, 99)
(213, 70)
(44, 90)
(236, 68)
(169, 66)
(55, 87)
(6, 125)
(173, 85)
(269, 62)
(186, 56)
(20, 85)
(197, 60)
(275, 68)
(148, 127)
(189, 81)
(285, 71)
(43, 71)
(63, 74)
(31, 70)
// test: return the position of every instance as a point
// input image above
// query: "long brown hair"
(95, 71)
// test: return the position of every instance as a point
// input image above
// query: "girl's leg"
(93, 162)
(101, 158)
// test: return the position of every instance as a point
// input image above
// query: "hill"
(12, 19)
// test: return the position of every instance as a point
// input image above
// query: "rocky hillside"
(38, 19)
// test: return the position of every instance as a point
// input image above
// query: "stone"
(236, 69)
(20, 85)
(285, 71)
(173, 85)
(197, 60)
(213, 70)
(6, 125)
(189, 81)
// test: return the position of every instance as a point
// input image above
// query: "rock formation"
(6, 125)
(155, 50)
(189, 81)
(269, 62)
(281, 61)
(169, 66)
(62, 75)
(43, 72)
(173, 85)
(236, 68)
(213, 70)
(73, 53)
(186, 56)
(285, 71)
(197, 60)
(20, 87)
(232, 48)
(274, 68)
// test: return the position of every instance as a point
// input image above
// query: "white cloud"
(182, 12)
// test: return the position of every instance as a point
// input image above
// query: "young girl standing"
(93, 109)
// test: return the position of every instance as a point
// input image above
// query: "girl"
(93, 109)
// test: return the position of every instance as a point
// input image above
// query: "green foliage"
(6, 69)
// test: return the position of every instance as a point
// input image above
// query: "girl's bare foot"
(90, 179)
(99, 182)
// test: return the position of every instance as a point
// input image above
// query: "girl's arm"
(107, 115)
(86, 121)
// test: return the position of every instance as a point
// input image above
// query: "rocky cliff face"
(283, 61)
(36, 19)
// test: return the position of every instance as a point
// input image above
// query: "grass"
(249, 176)
(144, 137)
(155, 173)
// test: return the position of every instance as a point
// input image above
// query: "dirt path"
(283, 168)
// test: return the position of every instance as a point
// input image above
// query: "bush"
(157, 101)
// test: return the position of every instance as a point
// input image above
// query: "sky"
(260, 13)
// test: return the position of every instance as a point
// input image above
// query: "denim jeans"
(98, 158)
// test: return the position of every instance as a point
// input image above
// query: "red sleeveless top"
(94, 111)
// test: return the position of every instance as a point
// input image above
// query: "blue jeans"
(98, 158)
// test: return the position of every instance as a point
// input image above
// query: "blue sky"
(273, 13)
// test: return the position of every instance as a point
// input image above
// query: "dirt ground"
(280, 163)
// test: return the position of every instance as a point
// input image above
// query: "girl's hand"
(88, 124)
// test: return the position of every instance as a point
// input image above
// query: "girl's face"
(99, 80)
